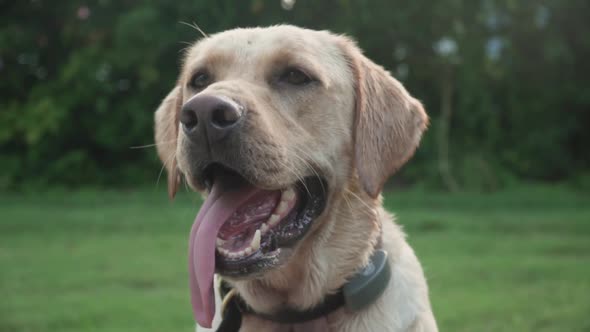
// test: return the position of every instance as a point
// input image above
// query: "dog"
(290, 135)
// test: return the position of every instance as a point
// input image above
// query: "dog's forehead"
(253, 43)
(264, 38)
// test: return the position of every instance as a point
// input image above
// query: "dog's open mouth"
(264, 224)
(243, 230)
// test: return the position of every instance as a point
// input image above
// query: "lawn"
(517, 260)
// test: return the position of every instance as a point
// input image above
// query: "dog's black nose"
(210, 115)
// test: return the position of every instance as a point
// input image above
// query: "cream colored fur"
(355, 127)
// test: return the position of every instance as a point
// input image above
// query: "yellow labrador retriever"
(290, 135)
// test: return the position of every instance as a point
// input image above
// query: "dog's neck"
(313, 273)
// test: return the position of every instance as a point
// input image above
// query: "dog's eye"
(295, 77)
(200, 80)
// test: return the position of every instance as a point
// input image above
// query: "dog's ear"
(388, 121)
(166, 132)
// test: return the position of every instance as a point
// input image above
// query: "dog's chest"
(254, 324)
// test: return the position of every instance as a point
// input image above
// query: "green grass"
(116, 261)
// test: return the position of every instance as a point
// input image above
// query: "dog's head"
(271, 124)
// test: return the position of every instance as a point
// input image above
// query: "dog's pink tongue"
(217, 208)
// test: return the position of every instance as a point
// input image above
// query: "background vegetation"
(505, 82)
(88, 244)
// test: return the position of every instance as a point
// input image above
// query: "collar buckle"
(368, 284)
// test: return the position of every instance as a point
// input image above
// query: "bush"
(80, 82)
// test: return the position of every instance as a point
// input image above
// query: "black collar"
(363, 289)
(289, 316)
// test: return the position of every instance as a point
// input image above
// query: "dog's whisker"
(348, 191)
(184, 49)
(172, 155)
(196, 27)
(309, 165)
(348, 203)
(172, 141)
(297, 175)
(151, 145)
(184, 182)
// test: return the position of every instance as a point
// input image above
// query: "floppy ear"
(388, 122)
(166, 132)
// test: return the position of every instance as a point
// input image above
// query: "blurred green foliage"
(80, 81)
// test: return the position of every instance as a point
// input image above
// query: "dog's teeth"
(240, 254)
(264, 228)
(255, 244)
(282, 207)
(273, 220)
(288, 195)
(248, 251)
(220, 242)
